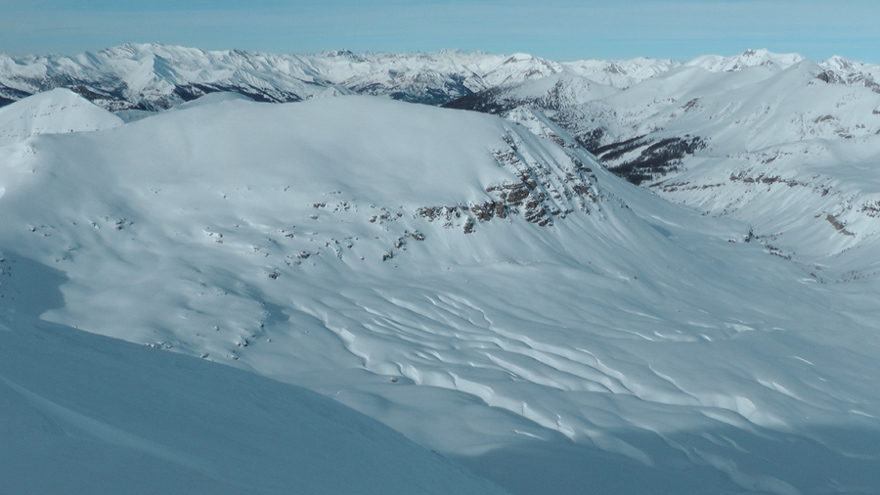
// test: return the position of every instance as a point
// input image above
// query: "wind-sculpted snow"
(485, 288)
(84, 414)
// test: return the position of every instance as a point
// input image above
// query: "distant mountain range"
(157, 76)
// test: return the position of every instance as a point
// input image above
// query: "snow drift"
(86, 414)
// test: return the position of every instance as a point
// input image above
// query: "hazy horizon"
(560, 30)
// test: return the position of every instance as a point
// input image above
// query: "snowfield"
(483, 287)
(87, 414)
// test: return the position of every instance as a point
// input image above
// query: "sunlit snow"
(493, 294)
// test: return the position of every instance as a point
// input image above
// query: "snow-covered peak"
(403, 153)
(521, 67)
(746, 59)
(563, 89)
(839, 70)
(713, 132)
(620, 73)
(839, 63)
(56, 111)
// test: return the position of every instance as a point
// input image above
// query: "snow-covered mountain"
(484, 287)
(784, 144)
(157, 76)
(53, 112)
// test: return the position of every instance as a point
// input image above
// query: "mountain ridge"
(156, 76)
(748, 144)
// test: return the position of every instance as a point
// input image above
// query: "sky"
(561, 30)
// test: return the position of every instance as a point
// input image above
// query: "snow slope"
(52, 112)
(483, 287)
(84, 414)
(770, 140)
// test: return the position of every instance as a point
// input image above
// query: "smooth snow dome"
(53, 112)
(487, 290)
(370, 148)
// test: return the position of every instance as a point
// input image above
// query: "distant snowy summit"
(53, 112)
(157, 76)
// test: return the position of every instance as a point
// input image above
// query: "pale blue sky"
(556, 29)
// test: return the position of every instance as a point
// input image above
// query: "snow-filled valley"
(482, 286)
